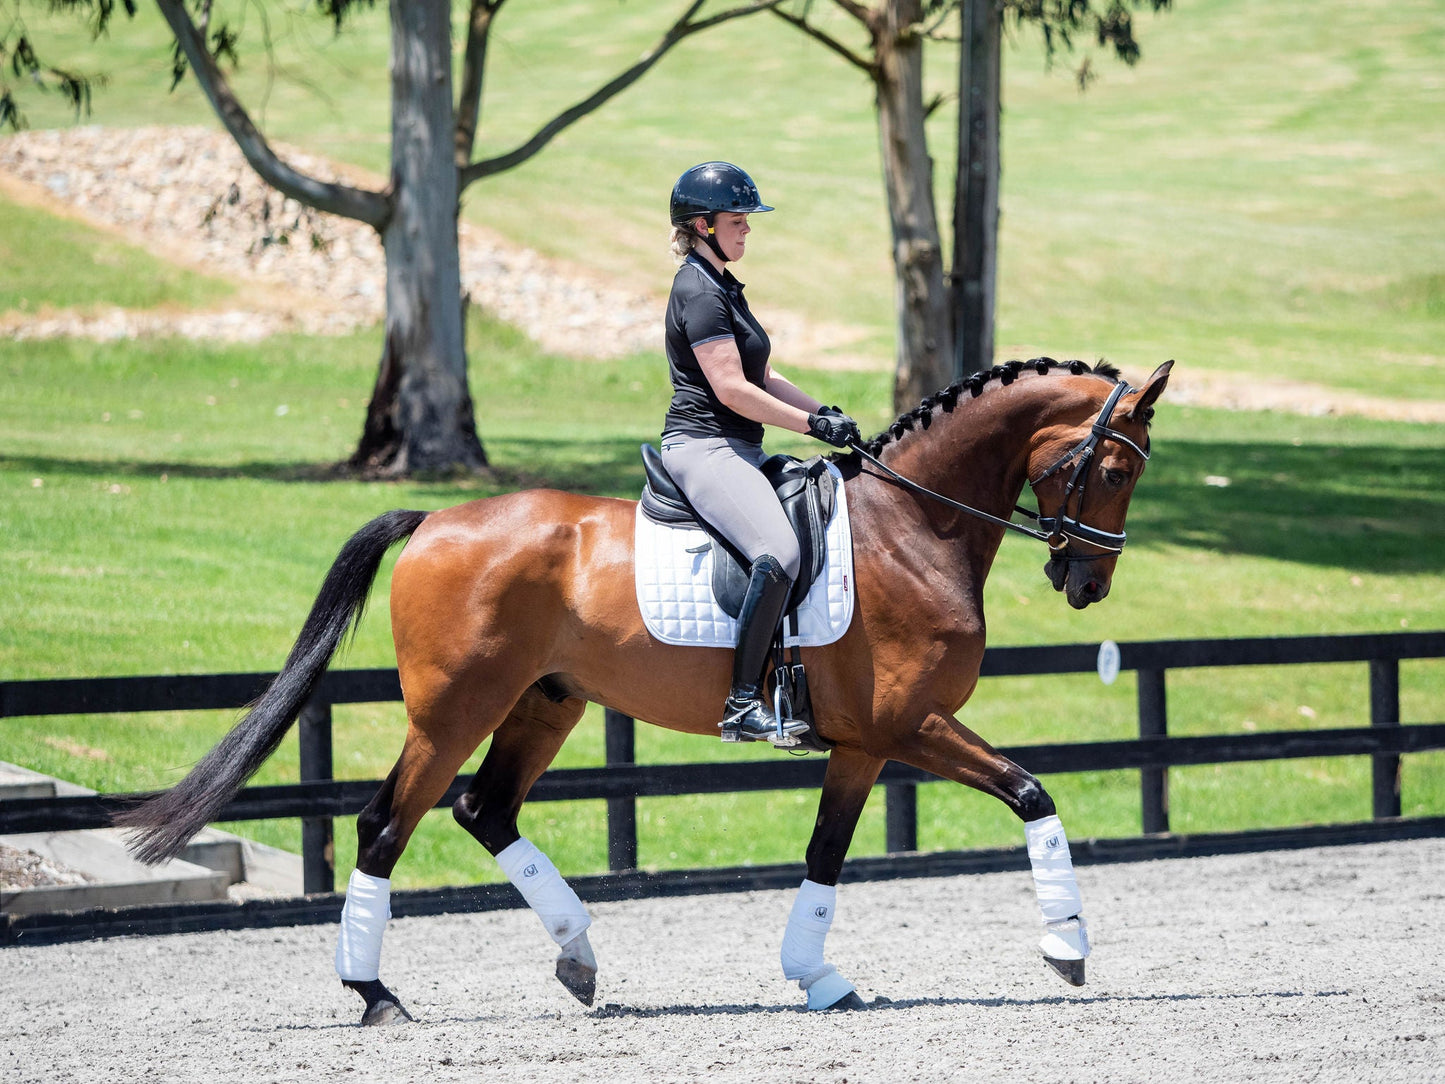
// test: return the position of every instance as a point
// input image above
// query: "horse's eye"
(1116, 478)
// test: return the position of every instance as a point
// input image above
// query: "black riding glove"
(832, 426)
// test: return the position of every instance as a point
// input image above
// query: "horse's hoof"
(832, 991)
(849, 1003)
(382, 1006)
(1065, 945)
(1071, 971)
(579, 979)
(384, 1013)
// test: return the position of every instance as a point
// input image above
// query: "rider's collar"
(726, 279)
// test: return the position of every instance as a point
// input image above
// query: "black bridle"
(1055, 531)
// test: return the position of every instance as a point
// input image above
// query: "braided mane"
(922, 415)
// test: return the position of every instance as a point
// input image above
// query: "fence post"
(1153, 782)
(1385, 711)
(900, 831)
(318, 853)
(621, 812)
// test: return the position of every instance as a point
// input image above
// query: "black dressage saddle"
(806, 490)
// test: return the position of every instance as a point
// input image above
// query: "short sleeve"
(704, 317)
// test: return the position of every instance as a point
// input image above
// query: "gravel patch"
(25, 869)
(1299, 965)
(187, 194)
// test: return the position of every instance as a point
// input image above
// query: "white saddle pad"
(674, 585)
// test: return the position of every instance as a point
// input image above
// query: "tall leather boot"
(747, 716)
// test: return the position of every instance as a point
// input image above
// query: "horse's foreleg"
(846, 786)
(520, 751)
(949, 749)
(1065, 944)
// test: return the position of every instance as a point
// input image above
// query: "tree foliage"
(1062, 22)
(19, 60)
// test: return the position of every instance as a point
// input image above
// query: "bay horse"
(510, 613)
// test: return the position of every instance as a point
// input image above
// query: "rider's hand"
(832, 426)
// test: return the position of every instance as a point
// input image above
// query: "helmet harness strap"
(710, 238)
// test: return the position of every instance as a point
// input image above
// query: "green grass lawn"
(86, 269)
(1259, 197)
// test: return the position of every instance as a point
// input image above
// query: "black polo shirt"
(705, 306)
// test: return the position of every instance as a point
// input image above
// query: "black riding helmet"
(712, 187)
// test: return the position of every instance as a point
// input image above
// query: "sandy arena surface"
(1311, 965)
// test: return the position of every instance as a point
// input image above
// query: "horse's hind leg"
(440, 737)
(366, 910)
(520, 751)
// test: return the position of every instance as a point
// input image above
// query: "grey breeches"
(720, 476)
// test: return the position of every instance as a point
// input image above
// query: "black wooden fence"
(318, 798)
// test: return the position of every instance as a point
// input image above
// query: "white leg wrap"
(545, 891)
(1065, 933)
(802, 952)
(1054, 882)
(363, 921)
(808, 925)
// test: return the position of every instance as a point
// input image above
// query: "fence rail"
(318, 798)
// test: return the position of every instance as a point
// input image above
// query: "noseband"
(1058, 530)
(1055, 531)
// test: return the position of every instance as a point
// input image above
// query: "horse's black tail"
(166, 822)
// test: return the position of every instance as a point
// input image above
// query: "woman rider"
(724, 392)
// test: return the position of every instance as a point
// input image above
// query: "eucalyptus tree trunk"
(420, 415)
(975, 209)
(925, 342)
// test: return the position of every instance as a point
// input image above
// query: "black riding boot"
(747, 716)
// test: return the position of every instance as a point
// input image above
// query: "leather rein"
(1054, 531)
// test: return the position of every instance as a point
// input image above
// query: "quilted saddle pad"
(673, 571)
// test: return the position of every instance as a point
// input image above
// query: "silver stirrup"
(786, 734)
(783, 735)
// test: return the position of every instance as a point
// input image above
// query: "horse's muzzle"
(1057, 570)
(1088, 590)
(1082, 582)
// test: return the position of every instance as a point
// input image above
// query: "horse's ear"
(1153, 388)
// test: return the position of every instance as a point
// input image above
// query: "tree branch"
(474, 70)
(682, 28)
(863, 14)
(930, 29)
(373, 208)
(801, 22)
